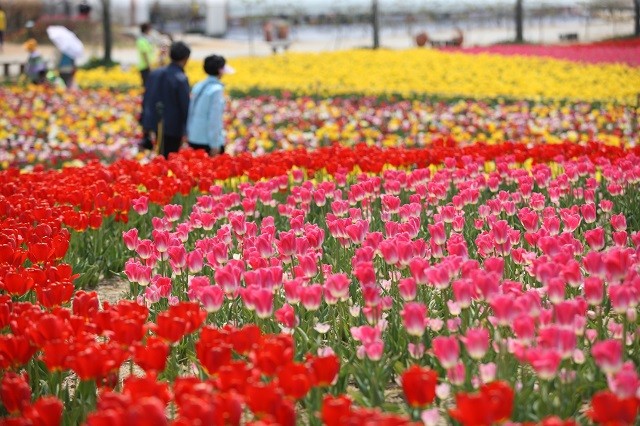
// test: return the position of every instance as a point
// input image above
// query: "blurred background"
(269, 26)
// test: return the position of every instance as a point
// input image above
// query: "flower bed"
(51, 127)
(479, 284)
(54, 128)
(413, 73)
(617, 51)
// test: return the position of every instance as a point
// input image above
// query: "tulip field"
(430, 254)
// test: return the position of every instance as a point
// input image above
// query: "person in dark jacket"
(165, 104)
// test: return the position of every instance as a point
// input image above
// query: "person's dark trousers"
(170, 144)
(199, 147)
(146, 142)
(67, 77)
(145, 75)
(205, 148)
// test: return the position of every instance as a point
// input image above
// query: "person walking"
(165, 103)
(146, 52)
(36, 68)
(205, 127)
(3, 27)
(66, 69)
(145, 60)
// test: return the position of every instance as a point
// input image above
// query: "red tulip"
(492, 404)
(335, 410)
(325, 369)
(152, 355)
(212, 357)
(145, 387)
(295, 380)
(419, 386)
(86, 304)
(170, 328)
(608, 409)
(14, 392)
(56, 355)
(15, 351)
(263, 398)
(234, 375)
(275, 351)
(39, 252)
(55, 294)
(46, 411)
(17, 284)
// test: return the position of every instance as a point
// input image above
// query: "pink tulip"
(408, 289)
(416, 350)
(418, 267)
(389, 251)
(457, 374)
(196, 285)
(623, 297)
(617, 263)
(374, 350)
(177, 257)
(337, 285)
(307, 266)
(529, 219)
(593, 263)
(544, 362)
(286, 244)
(620, 238)
(141, 204)
(588, 212)
(262, 301)
(619, 222)
(212, 298)
(595, 238)
(172, 212)
(463, 292)
(561, 340)
(161, 239)
(476, 341)
(606, 206)
(414, 318)
(500, 231)
(228, 278)
(437, 233)
(195, 261)
(503, 309)
(365, 273)
(593, 290)
(487, 372)
(130, 238)
(311, 297)
(287, 316)
(625, 382)
(447, 350)
(145, 249)
(525, 328)
(293, 290)
(608, 355)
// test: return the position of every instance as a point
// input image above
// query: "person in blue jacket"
(205, 127)
(165, 104)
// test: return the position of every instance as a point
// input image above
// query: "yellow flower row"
(414, 72)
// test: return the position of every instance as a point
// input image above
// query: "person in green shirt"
(145, 52)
